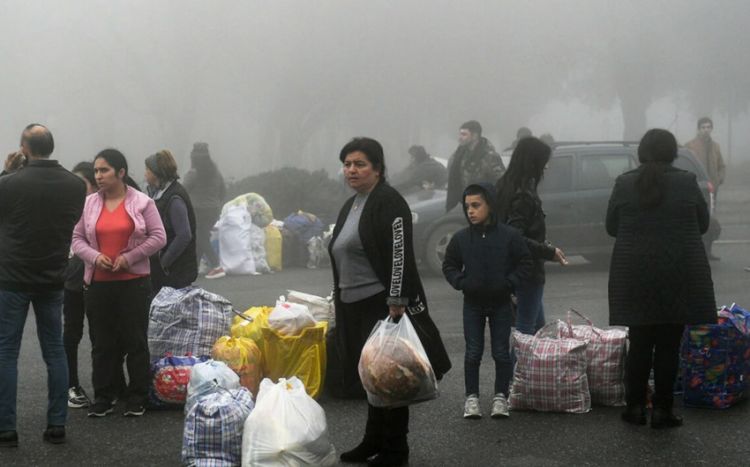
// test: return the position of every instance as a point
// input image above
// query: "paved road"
(440, 437)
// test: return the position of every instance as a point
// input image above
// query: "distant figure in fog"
(708, 153)
(207, 192)
(548, 140)
(659, 277)
(424, 172)
(521, 133)
(519, 206)
(176, 265)
(39, 206)
(474, 161)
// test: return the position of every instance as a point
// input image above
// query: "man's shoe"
(54, 434)
(664, 418)
(8, 439)
(471, 407)
(635, 414)
(500, 406)
(101, 408)
(389, 459)
(216, 273)
(365, 450)
(77, 398)
(134, 410)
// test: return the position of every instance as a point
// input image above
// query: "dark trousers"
(475, 318)
(118, 323)
(205, 218)
(658, 346)
(73, 312)
(387, 427)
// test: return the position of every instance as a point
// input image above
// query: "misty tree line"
(286, 82)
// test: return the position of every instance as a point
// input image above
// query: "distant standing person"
(176, 265)
(207, 191)
(39, 206)
(521, 133)
(708, 152)
(119, 230)
(475, 160)
(519, 206)
(424, 172)
(659, 277)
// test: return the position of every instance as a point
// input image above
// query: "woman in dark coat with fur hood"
(375, 275)
(659, 278)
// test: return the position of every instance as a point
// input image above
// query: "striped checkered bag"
(605, 357)
(213, 428)
(187, 322)
(550, 374)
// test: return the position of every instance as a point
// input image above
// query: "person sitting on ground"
(423, 173)
(487, 261)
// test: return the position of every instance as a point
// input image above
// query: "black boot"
(369, 446)
(389, 459)
(635, 414)
(8, 439)
(664, 418)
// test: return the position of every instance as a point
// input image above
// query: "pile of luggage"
(225, 367)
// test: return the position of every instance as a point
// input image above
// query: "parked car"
(575, 192)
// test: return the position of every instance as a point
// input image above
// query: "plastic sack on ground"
(235, 241)
(715, 360)
(255, 205)
(321, 308)
(605, 357)
(287, 428)
(208, 377)
(303, 356)
(394, 367)
(244, 357)
(250, 323)
(213, 428)
(273, 247)
(186, 322)
(289, 319)
(170, 377)
(550, 373)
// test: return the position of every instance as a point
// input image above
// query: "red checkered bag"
(550, 374)
(605, 357)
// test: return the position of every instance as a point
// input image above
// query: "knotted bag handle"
(589, 323)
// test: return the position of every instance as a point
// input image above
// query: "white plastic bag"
(286, 428)
(235, 241)
(289, 319)
(321, 308)
(208, 377)
(394, 367)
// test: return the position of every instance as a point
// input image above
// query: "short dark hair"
(370, 148)
(476, 190)
(86, 170)
(40, 143)
(473, 126)
(703, 120)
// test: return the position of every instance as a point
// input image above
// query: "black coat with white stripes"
(385, 230)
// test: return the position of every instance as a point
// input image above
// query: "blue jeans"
(14, 306)
(530, 313)
(500, 319)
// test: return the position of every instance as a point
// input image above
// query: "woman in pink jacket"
(119, 230)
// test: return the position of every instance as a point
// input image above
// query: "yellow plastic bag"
(303, 356)
(251, 329)
(273, 247)
(244, 357)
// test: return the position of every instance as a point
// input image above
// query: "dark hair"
(40, 143)
(117, 161)
(86, 170)
(473, 126)
(419, 152)
(657, 150)
(525, 171)
(703, 120)
(163, 165)
(523, 132)
(371, 149)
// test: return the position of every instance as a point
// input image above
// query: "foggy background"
(272, 83)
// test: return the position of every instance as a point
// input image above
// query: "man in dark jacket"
(474, 161)
(39, 207)
(487, 261)
(422, 173)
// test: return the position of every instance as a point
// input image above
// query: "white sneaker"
(471, 407)
(500, 406)
(216, 273)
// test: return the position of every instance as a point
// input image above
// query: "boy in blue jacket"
(487, 261)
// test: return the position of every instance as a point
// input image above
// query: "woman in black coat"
(375, 275)
(659, 278)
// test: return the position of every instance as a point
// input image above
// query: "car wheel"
(436, 245)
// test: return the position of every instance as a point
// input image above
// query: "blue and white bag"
(207, 377)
